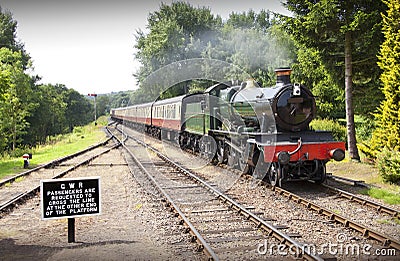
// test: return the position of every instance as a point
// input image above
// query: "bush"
(338, 131)
(364, 128)
(18, 152)
(388, 163)
(78, 130)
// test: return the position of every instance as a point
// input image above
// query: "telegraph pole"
(95, 116)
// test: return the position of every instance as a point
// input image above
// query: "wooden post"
(71, 230)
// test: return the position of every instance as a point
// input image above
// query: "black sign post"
(71, 230)
(70, 198)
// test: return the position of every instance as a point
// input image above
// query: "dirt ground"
(127, 229)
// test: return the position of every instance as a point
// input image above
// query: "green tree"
(48, 118)
(8, 35)
(254, 44)
(15, 98)
(176, 32)
(251, 20)
(347, 35)
(60, 110)
(310, 70)
(387, 133)
(79, 110)
(103, 105)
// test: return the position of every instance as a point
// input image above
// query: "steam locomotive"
(261, 131)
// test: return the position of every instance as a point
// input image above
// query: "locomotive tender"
(263, 131)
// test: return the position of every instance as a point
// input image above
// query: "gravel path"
(127, 229)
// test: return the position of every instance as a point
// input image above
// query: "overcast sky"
(88, 45)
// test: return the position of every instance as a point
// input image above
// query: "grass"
(19, 179)
(81, 138)
(387, 196)
(389, 193)
(383, 221)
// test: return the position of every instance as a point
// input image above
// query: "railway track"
(351, 182)
(362, 201)
(18, 188)
(51, 164)
(213, 219)
(367, 232)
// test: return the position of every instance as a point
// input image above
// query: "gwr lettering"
(72, 185)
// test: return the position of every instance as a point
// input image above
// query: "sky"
(88, 45)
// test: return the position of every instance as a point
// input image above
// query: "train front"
(296, 152)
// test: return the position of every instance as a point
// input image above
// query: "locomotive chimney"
(283, 76)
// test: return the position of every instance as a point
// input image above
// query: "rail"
(270, 229)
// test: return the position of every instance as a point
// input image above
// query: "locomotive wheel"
(321, 173)
(275, 175)
(221, 153)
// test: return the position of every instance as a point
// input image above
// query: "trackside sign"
(68, 198)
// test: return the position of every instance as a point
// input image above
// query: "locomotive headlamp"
(283, 157)
(337, 154)
(296, 89)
